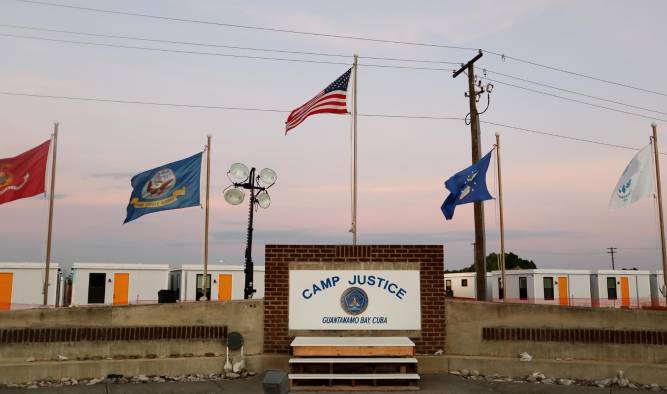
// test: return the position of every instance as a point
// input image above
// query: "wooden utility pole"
(208, 191)
(612, 252)
(354, 149)
(501, 258)
(54, 145)
(656, 157)
(480, 237)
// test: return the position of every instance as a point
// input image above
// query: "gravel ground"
(430, 384)
(456, 382)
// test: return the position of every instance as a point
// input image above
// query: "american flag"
(333, 99)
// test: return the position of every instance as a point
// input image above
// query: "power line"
(259, 109)
(349, 37)
(135, 38)
(550, 134)
(312, 54)
(562, 70)
(573, 92)
(99, 44)
(582, 252)
(577, 101)
(249, 27)
(155, 103)
(164, 50)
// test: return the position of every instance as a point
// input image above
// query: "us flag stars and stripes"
(333, 99)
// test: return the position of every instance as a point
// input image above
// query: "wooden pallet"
(353, 364)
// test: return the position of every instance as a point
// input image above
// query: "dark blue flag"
(171, 186)
(467, 186)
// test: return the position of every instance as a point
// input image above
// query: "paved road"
(431, 384)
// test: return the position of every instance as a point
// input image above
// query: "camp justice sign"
(354, 300)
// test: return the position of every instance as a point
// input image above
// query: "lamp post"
(244, 178)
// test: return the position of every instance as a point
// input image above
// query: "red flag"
(24, 175)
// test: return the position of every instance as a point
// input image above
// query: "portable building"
(464, 285)
(658, 290)
(117, 284)
(21, 285)
(225, 282)
(621, 288)
(544, 286)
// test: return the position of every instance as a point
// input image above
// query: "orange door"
(224, 287)
(6, 279)
(121, 284)
(563, 291)
(625, 292)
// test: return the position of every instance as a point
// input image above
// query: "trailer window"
(200, 286)
(464, 282)
(523, 288)
(96, 287)
(548, 288)
(611, 288)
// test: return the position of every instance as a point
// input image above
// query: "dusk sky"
(556, 191)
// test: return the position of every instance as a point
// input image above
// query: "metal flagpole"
(354, 150)
(206, 208)
(54, 144)
(501, 260)
(656, 156)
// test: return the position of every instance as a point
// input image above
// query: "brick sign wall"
(276, 294)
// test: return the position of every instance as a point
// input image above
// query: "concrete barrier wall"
(245, 317)
(575, 332)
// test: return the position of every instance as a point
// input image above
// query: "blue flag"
(467, 186)
(171, 186)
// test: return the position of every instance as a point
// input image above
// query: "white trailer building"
(658, 289)
(21, 285)
(464, 285)
(545, 286)
(117, 284)
(225, 282)
(621, 288)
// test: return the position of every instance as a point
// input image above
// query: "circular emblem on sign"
(159, 185)
(354, 301)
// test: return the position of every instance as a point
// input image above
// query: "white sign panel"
(354, 300)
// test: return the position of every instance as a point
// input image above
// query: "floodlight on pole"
(244, 178)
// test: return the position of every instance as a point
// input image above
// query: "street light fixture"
(244, 178)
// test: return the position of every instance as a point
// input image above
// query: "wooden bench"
(353, 363)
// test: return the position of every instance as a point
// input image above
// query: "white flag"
(636, 181)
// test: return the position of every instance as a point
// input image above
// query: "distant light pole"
(242, 177)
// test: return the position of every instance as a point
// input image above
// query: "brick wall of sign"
(276, 293)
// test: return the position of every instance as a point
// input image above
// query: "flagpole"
(354, 150)
(501, 260)
(662, 222)
(54, 145)
(208, 190)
